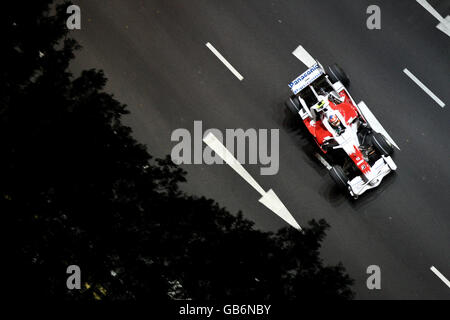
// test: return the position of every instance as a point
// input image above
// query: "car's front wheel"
(381, 144)
(339, 177)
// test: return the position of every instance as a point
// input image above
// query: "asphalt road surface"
(154, 54)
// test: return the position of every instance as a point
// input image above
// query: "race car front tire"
(339, 177)
(381, 144)
(293, 104)
(336, 73)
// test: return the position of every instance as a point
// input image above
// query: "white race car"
(354, 146)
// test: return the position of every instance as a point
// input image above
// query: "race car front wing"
(382, 167)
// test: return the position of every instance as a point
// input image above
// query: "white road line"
(440, 276)
(444, 24)
(269, 198)
(430, 9)
(225, 62)
(217, 146)
(424, 88)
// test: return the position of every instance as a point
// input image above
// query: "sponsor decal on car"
(358, 159)
(306, 78)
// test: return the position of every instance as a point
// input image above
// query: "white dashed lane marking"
(224, 61)
(440, 276)
(424, 87)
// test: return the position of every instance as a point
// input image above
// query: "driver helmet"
(334, 120)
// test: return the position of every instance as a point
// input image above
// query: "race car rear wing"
(304, 56)
(306, 78)
(315, 70)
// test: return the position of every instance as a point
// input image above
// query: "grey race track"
(153, 53)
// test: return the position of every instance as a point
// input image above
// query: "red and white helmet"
(334, 120)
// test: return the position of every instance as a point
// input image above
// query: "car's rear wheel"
(293, 104)
(381, 144)
(339, 177)
(336, 73)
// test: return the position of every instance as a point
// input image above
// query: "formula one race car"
(354, 146)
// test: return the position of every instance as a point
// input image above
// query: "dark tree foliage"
(77, 188)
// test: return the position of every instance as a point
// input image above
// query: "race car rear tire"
(336, 73)
(381, 144)
(293, 104)
(339, 177)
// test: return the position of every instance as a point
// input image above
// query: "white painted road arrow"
(269, 198)
(444, 24)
